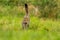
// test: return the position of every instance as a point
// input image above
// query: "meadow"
(39, 29)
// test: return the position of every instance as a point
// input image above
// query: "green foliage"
(11, 21)
(47, 8)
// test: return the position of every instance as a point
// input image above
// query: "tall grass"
(11, 28)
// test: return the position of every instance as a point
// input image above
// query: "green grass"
(11, 28)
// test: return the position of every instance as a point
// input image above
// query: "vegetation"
(12, 13)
